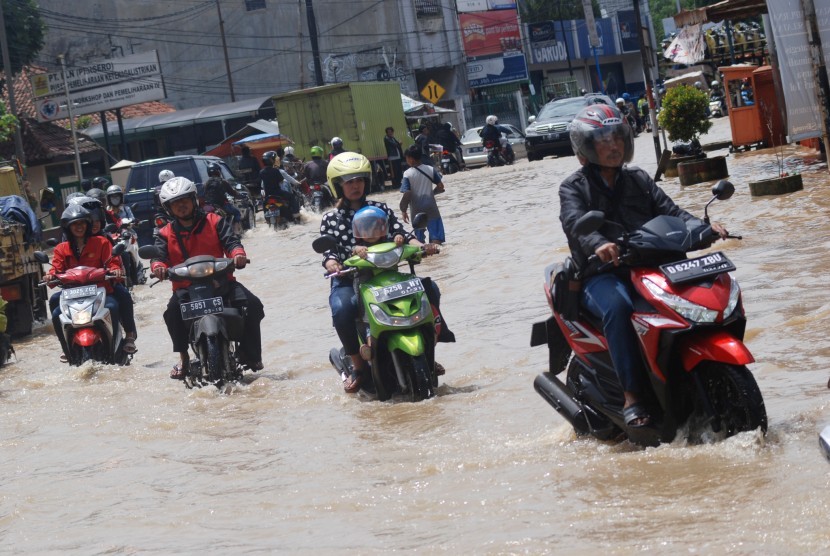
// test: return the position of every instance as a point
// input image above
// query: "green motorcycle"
(396, 322)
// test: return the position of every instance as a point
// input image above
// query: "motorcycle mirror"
(723, 190)
(420, 221)
(118, 249)
(110, 228)
(531, 119)
(51, 242)
(149, 252)
(41, 257)
(590, 222)
(323, 244)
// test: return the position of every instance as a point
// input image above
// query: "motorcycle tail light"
(11, 293)
(160, 222)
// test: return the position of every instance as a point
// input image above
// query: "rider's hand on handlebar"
(160, 272)
(240, 261)
(117, 273)
(720, 230)
(333, 266)
(399, 240)
(609, 252)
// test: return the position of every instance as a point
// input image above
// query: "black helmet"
(86, 185)
(594, 122)
(98, 194)
(269, 158)
(214, 169)
(74, 195)
(73, 213)
(101, 183)
(93, 207)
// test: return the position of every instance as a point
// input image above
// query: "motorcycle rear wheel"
(733, 394)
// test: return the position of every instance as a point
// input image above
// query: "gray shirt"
(421, 186)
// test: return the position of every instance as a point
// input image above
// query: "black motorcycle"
(215, 328)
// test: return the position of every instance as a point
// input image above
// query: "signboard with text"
(484, 5)
(606, 44)
(489, 33)
(551, 41)
(493, 70)
(99, 74)
(102, 98)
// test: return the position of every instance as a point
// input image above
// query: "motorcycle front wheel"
(215, 360)
(728, 401)
(416, 373)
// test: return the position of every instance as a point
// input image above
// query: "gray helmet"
(115, 196)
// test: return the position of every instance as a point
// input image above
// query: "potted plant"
(683, 116)
(784, 181)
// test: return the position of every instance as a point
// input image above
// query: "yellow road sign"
(433, 91)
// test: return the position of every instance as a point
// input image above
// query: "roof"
(214, 113)
(47, 142)
(726, 9)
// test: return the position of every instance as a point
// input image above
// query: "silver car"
(473, 150)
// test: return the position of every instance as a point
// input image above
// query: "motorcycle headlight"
(199, 270)
(387, 259)
(83, 317)
(424, 311)
(734, 296)
(683, 307)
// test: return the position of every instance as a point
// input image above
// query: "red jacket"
(210, 235)
(96, 252)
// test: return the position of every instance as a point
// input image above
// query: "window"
(428, 8)
(252, 5)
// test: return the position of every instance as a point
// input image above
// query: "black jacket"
(634, 200)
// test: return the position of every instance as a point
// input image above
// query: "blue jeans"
(610, 298)
(231, 209)
(435, 227)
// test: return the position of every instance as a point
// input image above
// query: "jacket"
(97, 253)
(271, 180)
(210, 235)
(634, 200)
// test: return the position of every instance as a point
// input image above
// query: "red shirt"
(97, 253)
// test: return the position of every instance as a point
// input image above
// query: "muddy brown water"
(102, 459)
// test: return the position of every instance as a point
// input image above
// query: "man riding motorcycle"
(492, 131)
(216, 191)
(192, 232)
(603, 142)
(273, 186)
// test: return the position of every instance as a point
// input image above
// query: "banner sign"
(606, 45)
(102, 98)
(548, 44)
(797, 77)
(496, 69)
(688, 47)
(484, 5)
(489, 33)
(99, 74)
(627, 22)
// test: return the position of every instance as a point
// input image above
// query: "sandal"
(636, 415)
(439, 369)
(129, 345)
(352, 384)
(179, 372)
(64, 358)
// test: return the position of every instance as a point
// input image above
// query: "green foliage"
(683, 113)
(8, 123)
(83, 122)
(25, 32)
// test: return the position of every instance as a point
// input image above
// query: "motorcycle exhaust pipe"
(557, 395)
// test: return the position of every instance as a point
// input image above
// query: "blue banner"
(628, 31)
(549, 44)
(492, 70)
(605, 33)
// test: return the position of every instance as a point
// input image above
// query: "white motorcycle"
(134, 270)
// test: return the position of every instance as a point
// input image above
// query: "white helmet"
(165, 175)
(289, 150)
(620, 101)
(492, 120)
(177, 188)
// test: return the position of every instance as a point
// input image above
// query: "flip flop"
(178, 373)
(636, 412)
(129, 345)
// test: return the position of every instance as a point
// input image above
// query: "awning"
(189, 116)
(727, 9)
(259, 127)
(415, 108)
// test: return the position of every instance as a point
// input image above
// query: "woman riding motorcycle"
(349, 174)
(115, 202)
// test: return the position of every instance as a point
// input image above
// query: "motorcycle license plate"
(552, 137)
(195, 309)
(697, 268)
(475, 150)
(395, 291)
(83, 291)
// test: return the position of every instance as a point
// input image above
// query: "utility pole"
(7, 70)
(78, 169)
(315, 49)
(819, 70)
(641, 32)
(225, 50)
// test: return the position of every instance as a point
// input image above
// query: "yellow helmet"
(345, 167)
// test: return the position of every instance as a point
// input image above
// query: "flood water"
(102, 459)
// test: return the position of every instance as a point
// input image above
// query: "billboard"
(110, 97)
(489, 33)
(606, 45)
(484, 5)
(627, 22)
(497, 69)
(548, 42)
(99, 74)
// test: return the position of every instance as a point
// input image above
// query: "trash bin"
(744, 112)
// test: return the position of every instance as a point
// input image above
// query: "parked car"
(548, 132)
(473, 150)
(144, 178)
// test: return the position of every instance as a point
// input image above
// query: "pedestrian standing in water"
(421, 182)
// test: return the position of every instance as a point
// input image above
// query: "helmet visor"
(369, 227)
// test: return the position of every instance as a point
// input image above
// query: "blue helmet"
(626, 97)
(370, 222)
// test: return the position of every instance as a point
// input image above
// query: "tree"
(8, 123)
(683, 113)
(25, 32)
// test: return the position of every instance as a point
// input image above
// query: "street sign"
(89, 101)
(433, 91)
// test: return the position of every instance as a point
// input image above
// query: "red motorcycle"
(690, 325)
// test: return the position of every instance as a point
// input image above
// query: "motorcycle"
(449, 164)
(498, 154)
(717, 106)
(90, 333)
(690, 330)
(245, 206)
(397, 322)
(134, 271)
(321, 196)
(275, 209)
(215, 329)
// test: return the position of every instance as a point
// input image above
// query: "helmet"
(214, 169)
(619, 101)
(316, 151)
(100, 183)
(92, 205)
(698, 85)
(177, 188)
(336, 142)
(345, 167)
(626, 97)
(165, 175)
(492, 120)
(715, 84)
(269, 158)
(370, 223)
(98, 194)
(74, 195)
(596, 121)
(289, 150)
(583, 92)
(73, 213)
(86, 184)
(115, 196)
